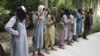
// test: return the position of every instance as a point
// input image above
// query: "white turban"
(40, 8)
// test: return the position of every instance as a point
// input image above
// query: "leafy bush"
(29, 4)
(3, 19)
(61, 4)
(2, 10)
(65, 4)
(96, 27)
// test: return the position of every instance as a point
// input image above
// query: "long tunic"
(88, 22)
(66, 22)
(52, 34)
(19, 44)
(79, 24)
(67, 27)
(74, 26)
(50, 38)
(70, 29)
(51, 31)
(38, 34)
(63, 30)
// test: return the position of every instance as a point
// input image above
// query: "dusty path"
(89, 47)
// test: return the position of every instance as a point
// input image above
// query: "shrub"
(96, 27)
(3, 19)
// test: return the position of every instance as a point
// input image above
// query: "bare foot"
(47, 51)
(62, 47)
(52, 48)
(40, 54)
(69, 44)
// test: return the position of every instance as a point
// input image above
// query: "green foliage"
(3, 19)
(87, 3)
(65, 4)
(29, 4)
(11, 5)
(96, 27)
(2, 10)
(69, 4)
(61, 4)
(52, 3)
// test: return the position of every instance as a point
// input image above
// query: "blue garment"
(38, 33)
(79, 24)
(19, 43)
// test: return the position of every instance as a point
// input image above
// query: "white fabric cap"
(40, 8)
(23, 8)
